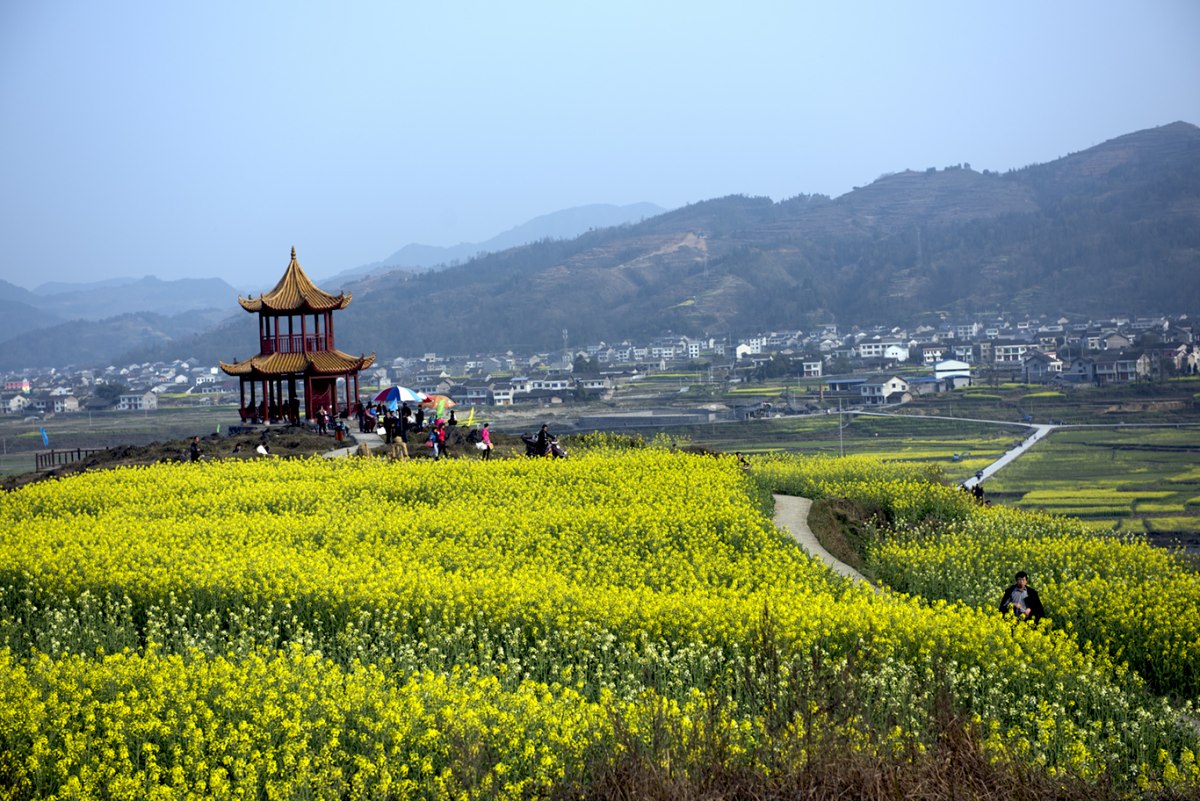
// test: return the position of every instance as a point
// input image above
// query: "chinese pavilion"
(295, 336)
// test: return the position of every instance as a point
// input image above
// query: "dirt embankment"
(280, 440)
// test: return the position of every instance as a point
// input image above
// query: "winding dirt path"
(791, 515)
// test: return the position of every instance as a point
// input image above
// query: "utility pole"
(841, 443)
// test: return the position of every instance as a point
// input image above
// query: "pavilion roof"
(295, 292)
(322, 362)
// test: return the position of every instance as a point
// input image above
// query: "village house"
(1121, 367)
(1186, 359)
(932, 353)
(889, 350)
(1008, 351)
(1115, 341)
(811, 368)
(478, 395)
(597, 386)
(67, 404)
(1040, 367)
(953, 372)
(928, 385)
(16, 404)
(137, 401)
(502, 394)
(885, 389)
(1108, 368)
(551, 382)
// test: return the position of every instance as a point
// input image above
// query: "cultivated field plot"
(357, 629)
(958, 448)
(106, 430)
(1137, 479)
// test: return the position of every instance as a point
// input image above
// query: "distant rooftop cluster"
(873, 364)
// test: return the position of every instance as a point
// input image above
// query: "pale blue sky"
(207, 138)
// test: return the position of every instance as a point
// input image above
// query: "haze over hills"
(101, 342)
(1112, 229)
(565, 224)
(58, 301)
(149, 312)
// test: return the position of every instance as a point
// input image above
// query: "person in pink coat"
(485, 436)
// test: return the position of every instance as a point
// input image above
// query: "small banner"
(45, 437)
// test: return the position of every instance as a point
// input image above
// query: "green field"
(106, 430)
(958, 447)
(1142, 479)
(1125, 478)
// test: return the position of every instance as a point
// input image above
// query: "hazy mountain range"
(565, 224)
(60, 323)
(1111, 229)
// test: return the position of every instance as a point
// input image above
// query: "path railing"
(48, 460)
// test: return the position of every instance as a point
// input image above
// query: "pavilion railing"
(293, 343)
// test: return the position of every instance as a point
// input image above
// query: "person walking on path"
(194, 449)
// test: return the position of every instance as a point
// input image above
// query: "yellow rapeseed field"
(357, 629)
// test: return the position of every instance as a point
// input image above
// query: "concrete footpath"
(1039, 433)
(373, 440)
(791, 515)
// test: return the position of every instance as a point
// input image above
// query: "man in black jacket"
(1022, 600)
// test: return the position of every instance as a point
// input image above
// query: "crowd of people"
(404, 424)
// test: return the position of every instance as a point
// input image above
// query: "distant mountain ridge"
(565, 224)
(102, 342)
(101, 299)
(53, 303)
(1114, 229)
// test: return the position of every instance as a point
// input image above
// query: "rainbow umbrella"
(392, 397)
(438, 402)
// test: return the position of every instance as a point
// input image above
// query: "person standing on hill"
(1022, 600)
(485, 436)
(443, 435)
(405, 422)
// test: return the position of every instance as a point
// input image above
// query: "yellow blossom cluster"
(351, 628)
(1139, 602)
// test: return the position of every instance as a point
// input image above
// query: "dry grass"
(831, 767)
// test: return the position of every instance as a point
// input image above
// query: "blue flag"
(45, 437)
